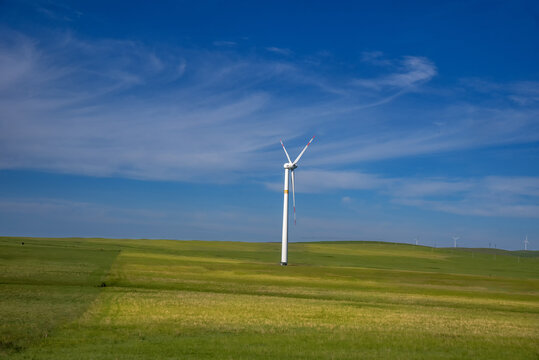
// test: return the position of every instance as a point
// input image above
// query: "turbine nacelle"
(290, 166)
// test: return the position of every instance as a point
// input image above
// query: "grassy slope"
(44, 283)
(191, 299)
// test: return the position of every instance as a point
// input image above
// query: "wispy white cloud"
(224, 43)
(346, 200)
(475, 208)
(453, 128)
(429, 187)
(117, 108)
(505, 196)
(52, 122)
(375, 58)
(410, 72)
(516, 185)
(524, 93)
(56, 11)
(315, 181)
(280, 51)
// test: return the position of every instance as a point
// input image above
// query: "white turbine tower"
(455, 238)
(289, 168)
(526, 243)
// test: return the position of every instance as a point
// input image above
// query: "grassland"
(142, 299)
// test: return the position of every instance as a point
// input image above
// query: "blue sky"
(163, 121)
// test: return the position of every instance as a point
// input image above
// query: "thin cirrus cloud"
(410, 71)
(467, 207)
(524, 93)
(280, 51)
(507, 196)
(116, 108)
(224, 43)
(456, 128)
(317, 181)
(86, 107)
(484, 196)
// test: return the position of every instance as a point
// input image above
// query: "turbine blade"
(305, 148)
(286, 152)
(294, 195)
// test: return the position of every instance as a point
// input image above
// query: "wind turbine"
(526, 243)
(455, 238)
(289, 168)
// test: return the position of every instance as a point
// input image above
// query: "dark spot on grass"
(103, 284)
(9, 346)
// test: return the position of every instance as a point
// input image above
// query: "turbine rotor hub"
(290, 166)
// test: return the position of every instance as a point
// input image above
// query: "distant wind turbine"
(289, 168)
(526, 243)
(455, 238)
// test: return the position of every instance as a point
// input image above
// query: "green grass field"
(158, 299)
